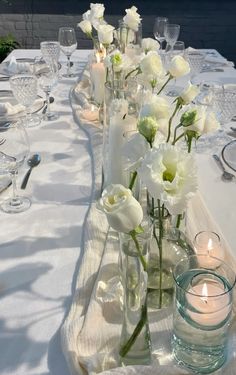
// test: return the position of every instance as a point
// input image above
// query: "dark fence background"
(204, 23)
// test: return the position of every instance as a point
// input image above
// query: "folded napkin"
(18, 67)
(9, 109)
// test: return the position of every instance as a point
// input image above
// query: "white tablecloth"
(40, 249)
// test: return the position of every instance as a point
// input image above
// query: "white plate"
(229, 155)
(6, 96)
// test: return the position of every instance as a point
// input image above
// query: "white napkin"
(9, 109)
(18, 67)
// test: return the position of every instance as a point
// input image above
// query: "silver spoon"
(225, 175)
(32, 162)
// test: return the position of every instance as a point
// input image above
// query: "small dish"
(229, 155)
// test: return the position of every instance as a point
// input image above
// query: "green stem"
(160, 251)
(179, 218)
(189, 144)
(131, 184)
(175, 132)
(168, 80)
(125, 348)
(132, 71)
(178, 138)
(141, 257)
(177, 107)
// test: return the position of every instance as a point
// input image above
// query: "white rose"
(97, 10)
(122, 210)
(211, 123)
(157, 107)
(134, 150)
(85, 26)
(178, 67)
(151, 64)
(149, 44)
(170, 175)
(189, 93)
(132, 19)
(87, 15)
(105, 34)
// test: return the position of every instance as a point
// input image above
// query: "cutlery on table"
(32, 163)
(225, 175)
(206, 70)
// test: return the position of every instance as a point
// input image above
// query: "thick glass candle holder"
(202, 313)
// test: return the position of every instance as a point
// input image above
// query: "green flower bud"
(188, 117)
(116, 59)
(147, 126)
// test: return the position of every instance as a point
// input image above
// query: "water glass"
(224, 103)
(68, 45)
(171, 33)
(50, 51)
(202, 312)
(24, 88)
(158, 29)
(14, 149)
(196, 61)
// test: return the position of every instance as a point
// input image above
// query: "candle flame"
(204, 293)
(210, 245)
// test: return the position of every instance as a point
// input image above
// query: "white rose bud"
(189, 93)
(132, 19)
(105, 34)
(179, 67)
(97, 10)
(211, 123)
(85, 26)
(151, 64)
(149, 44)
(194, 119)
(124, 213)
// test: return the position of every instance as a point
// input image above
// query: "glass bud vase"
(129, 37)
(165, 252)
(135, 343)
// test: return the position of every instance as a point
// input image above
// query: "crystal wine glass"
(68, 45)
(47, 79)
(50, 51)
(14, 149)
(171, 33)
(158, 29)
(24, 88)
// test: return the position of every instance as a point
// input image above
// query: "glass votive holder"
(202, 314)
(208, 243)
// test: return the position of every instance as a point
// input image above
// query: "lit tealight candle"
(208, 243)
(91, 114)
(211, 302)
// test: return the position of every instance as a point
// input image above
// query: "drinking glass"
(50, 51)
(14, 149)
(68, 45)
(158, 29)
(171, 34)
(24, 89)
(47, 79)
(196, 60)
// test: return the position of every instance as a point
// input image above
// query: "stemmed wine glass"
(68, 45)
(158, 29)
(171, 33)
(14, 149)
(24, 89)
(47, 79)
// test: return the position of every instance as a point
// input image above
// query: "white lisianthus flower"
(120, 61)
(178, 67)
(163, 129)
(97, 10)
(124, 213)
(189, 93)
(211, 123)
(134, 150)
(86, 27)
(132, 19)
(105, 34)
(170, 174)
(147, 126)
(150, 44)
(151, 64)
(157, 107)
